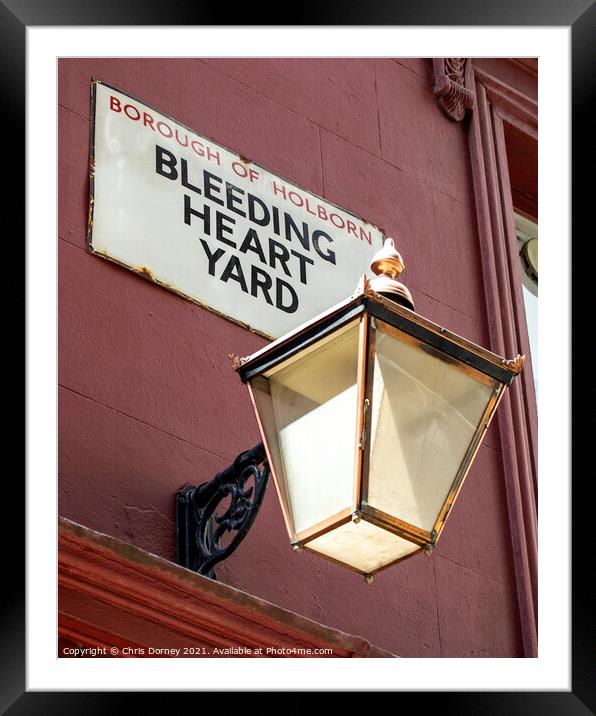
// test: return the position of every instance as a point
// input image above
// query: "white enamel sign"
(206, 223)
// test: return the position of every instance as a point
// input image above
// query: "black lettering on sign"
(212, 258)
(165, 163)
(184, 177)
(211, 188)
(278, 252)
(189, 212)
(232, 199)
(274, 255)
(291, 307)
(261, 280)
(328, 254)
(252, 243)
(253, 213)
(303, 260)
(221, 228)
(234, 271)
(291, 227)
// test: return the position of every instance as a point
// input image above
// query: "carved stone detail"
(454, 98)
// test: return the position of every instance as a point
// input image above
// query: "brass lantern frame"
(374, 312)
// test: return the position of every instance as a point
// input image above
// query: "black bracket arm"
(201, 530)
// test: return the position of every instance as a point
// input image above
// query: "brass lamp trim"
(404, 337)
(365, 295)
(320, 528)
(383, 304)
(516, 364)
(362, 414)
(279, 484)
(467, 462)
(387, 264)
(396, 526)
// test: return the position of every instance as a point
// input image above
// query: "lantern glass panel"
(308, 407)
(426, 410)
(363, 546)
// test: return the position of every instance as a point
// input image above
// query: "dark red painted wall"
(148, 401)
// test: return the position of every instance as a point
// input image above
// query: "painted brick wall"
(147, 399)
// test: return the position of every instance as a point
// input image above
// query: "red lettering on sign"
(243, 171)
(365, 236)
(213, 155)
(337, 220)
(307, 207)
(148, 121)
(128, 107)
(180, 141)
(197, 148)
(163, 125)
(240, 169)
(296, 199)
(310, 204)
(279, 189)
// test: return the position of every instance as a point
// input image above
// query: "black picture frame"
(580, 16)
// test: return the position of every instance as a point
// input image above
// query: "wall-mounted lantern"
(371, 416)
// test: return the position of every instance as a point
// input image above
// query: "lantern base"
(363, 545)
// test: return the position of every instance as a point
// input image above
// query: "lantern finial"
(387, 264)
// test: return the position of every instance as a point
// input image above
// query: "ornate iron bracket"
(454, 98)
(200, 530)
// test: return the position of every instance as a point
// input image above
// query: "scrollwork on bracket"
(454, 98)
(202, 523)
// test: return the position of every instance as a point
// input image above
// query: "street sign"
(216, 228)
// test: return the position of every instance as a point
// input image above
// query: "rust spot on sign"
(146, 272)
(90, 215)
